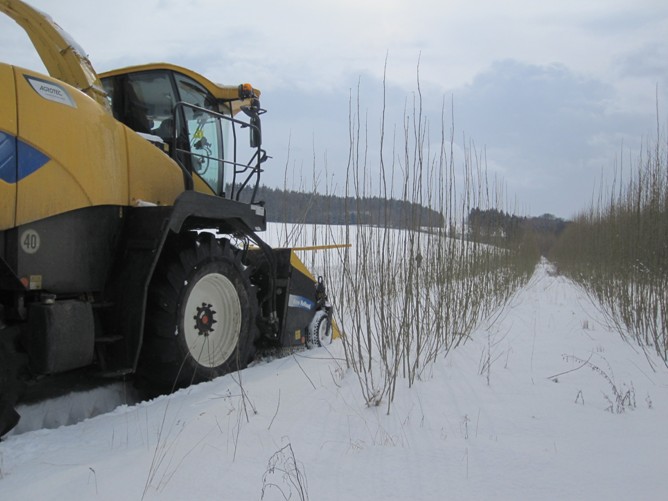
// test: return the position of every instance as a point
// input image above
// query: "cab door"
(204, 131)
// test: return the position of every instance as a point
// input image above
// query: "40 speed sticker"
(30, 241)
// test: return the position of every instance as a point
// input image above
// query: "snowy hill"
(544, 402)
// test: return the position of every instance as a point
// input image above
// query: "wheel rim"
(212, 320)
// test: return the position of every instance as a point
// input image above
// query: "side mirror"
(255, 132)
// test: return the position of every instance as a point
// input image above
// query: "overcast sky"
(548, 93)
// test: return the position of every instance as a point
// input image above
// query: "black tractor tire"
(319, 331)
(10, 385)
(201, 315)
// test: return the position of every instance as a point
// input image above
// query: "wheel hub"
(214, 319)
(204, 319)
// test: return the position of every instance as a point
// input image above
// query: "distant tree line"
(288, 206)
(495, 226)
(489, 225)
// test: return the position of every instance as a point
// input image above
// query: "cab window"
(143, 101)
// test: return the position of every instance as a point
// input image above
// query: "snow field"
(486, 422)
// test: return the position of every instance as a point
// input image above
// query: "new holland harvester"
(129, 226)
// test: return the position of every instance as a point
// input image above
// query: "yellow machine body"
(80, 156)
(106, 184)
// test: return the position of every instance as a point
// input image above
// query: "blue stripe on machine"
(7, 158)
(30, 159)
(300, 302)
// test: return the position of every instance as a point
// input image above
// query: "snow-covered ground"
(525, 410)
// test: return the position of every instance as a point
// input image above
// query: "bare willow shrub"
(618, 250)
(411, 289)
(413, 284)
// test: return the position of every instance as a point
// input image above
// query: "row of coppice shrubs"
(407, 292)
(618, 249)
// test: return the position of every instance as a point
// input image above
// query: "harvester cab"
(129, 226)
(193, 120)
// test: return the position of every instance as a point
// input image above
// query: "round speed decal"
(30, 241)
